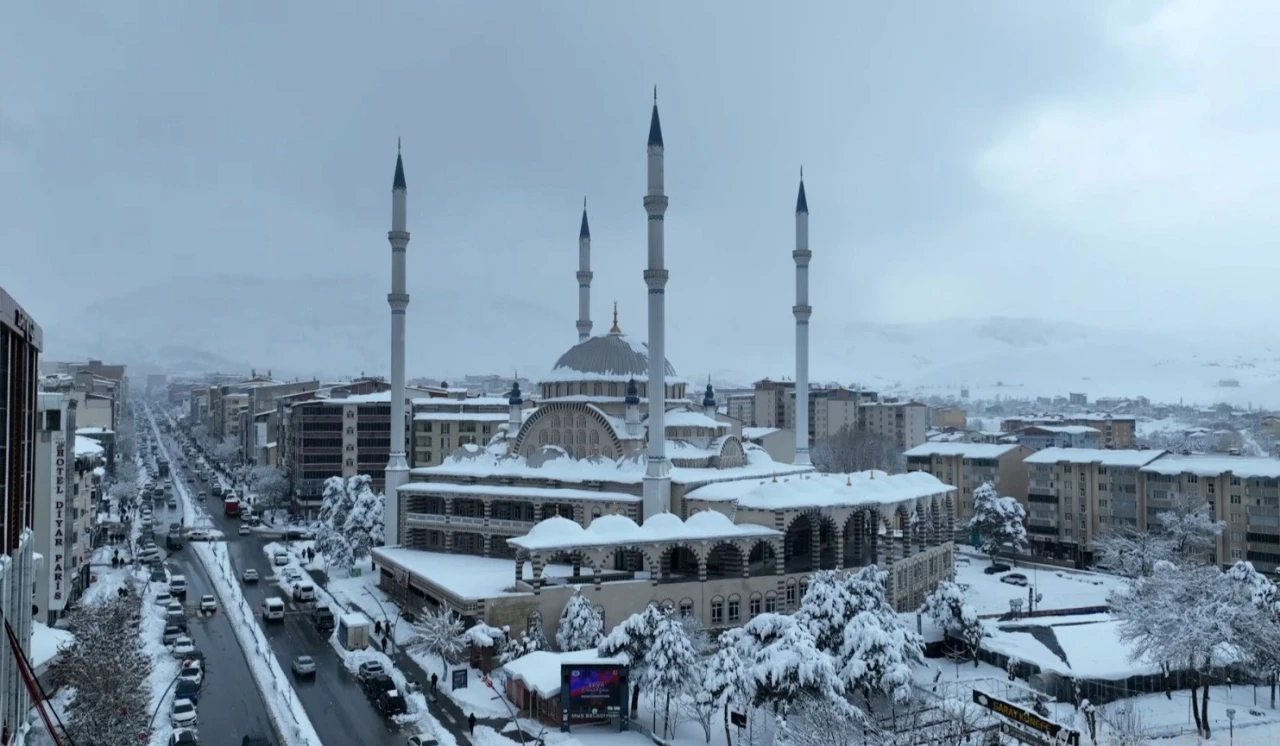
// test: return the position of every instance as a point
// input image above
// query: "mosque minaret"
(584, 277)
(397, 465)
(802, 310)
(657, 478)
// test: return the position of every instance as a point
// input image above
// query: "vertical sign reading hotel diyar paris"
(58, 525)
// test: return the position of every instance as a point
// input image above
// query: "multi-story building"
(905, 423)
(742, 407)
(1115, 431)
(967, 466)
(770, 406)
(1075, 495)
(950, 417)
(1039, 437)
(21, 340)
(443, 424)
(259, 420)
(1242, 491)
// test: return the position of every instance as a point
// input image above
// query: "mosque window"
(754, 609)
(582, 420)
(735, 608)
(568, 437)
(582, 434)
(686, 607)
(613, 390)
(543, 438)
(594, 438)
(771, 603)
(717, 610)
(555, 437)
(598, 388)
(581, 451)
(791, 593)
(555, 420)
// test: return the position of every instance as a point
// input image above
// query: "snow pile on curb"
(288, 717)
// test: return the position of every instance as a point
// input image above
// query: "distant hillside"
(338, 326)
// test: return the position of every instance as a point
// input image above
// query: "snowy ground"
(1062, 589)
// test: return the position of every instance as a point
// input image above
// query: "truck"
(164, 467)
(231, 506)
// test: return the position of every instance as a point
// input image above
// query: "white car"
(250, 575)
(198, 534)
(208, 604)
(193, 671)
(173, 607)
(183, 714)
(292, 574)
(183, 647)
(243, 530)
(163, 598)
(280, 559)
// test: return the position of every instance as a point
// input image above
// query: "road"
(338, 709)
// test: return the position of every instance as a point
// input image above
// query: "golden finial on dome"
(615, 329)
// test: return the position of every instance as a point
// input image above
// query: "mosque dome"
(608, 356)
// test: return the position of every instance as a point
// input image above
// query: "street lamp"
(161, 702)
(1231, 722)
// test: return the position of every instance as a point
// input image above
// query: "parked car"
(171, 634)
(163, 598)
(173, 607)
(304, 593)
(192, 671)
(183, 713)
(304, 665)
(375, 685)
(158, 574)
(389, 703)
(208, 604)
(250, 575)
(182, 646)
(1015, 578)
(996, 569)
(280, 559)
(369, 669)
(184, 737)
(421, 741)
(322, 618)
(178, 586)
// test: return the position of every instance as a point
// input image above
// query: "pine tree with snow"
(948, 608)
(669, 665)
(792, 667)
(726, 682)
(999, 521)
(825, 609)
(632, 639)
(108, 668)
(346, 499)
(439, 633)
(580, 624)
(879, 654)
(364, 522)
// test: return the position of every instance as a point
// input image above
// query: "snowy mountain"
(335, 326)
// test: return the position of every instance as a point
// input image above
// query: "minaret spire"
(584, 277)
(801, 311)
(657, 478)
(397, 472)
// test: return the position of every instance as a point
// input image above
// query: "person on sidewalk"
(434, 679)
(471, 723)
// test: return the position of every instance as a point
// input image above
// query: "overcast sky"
(1106, 162)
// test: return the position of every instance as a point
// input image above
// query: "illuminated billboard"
(592, 692)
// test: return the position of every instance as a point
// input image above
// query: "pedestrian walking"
(434, 679)
(471, 723)
(377, 628)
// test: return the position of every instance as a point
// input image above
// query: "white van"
(273, 610)
(305, 593)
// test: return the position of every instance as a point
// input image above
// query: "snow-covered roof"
(87, 446)
(381, 397)
(965, 450)
(606, 357)
(460, 417)
(45, 641)
(504, 490)
(816, 490)
(1120, 458)
(752, 433)
(466, 576)
(611, 530)
(540, 671)
(687, 418)
(1244, 467)
(355, 619)
(486, 464)
(93, 431)
(1064, 429)
(436, 402)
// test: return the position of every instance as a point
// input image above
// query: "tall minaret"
(397, 467)
(802, 310)
(584, 277)
(657, 476)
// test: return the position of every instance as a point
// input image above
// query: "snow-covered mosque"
(574, 493)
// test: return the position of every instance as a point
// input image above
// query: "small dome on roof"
(710, 521)
(665, 524)
(555, 528)
(612, 525)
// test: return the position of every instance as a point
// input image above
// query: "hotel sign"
(58, 525)
(1028, 719)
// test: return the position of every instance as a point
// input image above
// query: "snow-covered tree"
(227, 450)
(632, 638)
(363, 525)
(580, 625)
(669, 665)
(1131, 552)
(340, 538)
(439, 633)
(792, 667)
(852, 450)
(948, 608)
(825, 609)
(1190, 527)
(271, 486)
(879, 654)
(699, 638)
(108, 669)
(820, 722)
(726, 682)
(999, 521)
(1263, 641)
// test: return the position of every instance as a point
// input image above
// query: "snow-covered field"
(1061, 589)
(281, 701)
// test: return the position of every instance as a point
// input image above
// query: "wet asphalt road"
(337, 707)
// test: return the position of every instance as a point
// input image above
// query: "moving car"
(250, 575)
(304, 665)
(183, 646)
(198, 534)
(304, 593)
(202, 495)
(243, 530)
(254, 741)
(178, 586)
(996, 569)
(173, 542)
(273, 610)
(173, 502)
(183, 713)
(184, 737)
(1015, 578)
(323, 619)
(208, 604)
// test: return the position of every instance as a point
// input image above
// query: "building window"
(1236, 536)
(1235, 499)
(792, 596)
(754, 607)
(686, 607)
(735, 608)
(444, 427)
(1235, 554)
(771, 603)
(717, 610)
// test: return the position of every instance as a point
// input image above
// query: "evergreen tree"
(727, 681)
(669, 665)
(950, 610)
(579, 627)
(632, 638)
(999, 521)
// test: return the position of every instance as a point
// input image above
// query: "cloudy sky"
(1111, 163)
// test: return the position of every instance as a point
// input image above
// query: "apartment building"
(741, 407)
(1075, 495)
(967, 466)
(770, 406)
(259, 422)
(905, 423)
(1243, 491)
(1039, 437)
(949, 417)
(443, 424)
(21, 340)
(339, 436)
(1115, 431)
